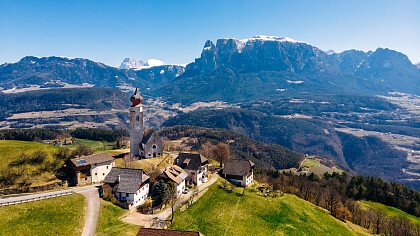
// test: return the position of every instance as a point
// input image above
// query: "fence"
(28, 198)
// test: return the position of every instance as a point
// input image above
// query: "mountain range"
(58, 72)
(263, 66)
(231, 70)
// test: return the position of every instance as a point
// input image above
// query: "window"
(103, 174)
(107, 167)
(127, 195)
(154, 146)
(96, 173)
(137, 118)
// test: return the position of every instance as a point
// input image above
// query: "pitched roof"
(165, 232)
(190, 161)
(237, 167)
(175, 173)
(129, 181)
(92, 159)
(147, 135)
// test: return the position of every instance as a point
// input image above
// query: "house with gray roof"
(196, 166)
(239, 172)
(130, 186)
(91, 169)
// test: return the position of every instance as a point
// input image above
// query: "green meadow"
(224, 212)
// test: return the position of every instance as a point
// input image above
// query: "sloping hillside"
(224, 212)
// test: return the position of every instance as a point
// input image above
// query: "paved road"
(90, 192)
(154, 221)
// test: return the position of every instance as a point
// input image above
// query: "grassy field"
(148, 164)
(11, 151)
(221, 212)
(109, 221)
(55, 216)
(96, 146)
(314, 166)
(391, 211)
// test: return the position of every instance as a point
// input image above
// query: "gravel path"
(93, 201)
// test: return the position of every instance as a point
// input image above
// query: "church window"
(154, 146)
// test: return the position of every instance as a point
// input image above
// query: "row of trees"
(334, 193)
(108, 135)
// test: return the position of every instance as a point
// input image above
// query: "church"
(144, 142)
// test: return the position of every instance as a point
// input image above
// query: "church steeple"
(136, 99)
(136, 124)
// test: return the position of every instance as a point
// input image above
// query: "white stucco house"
(239, 172)
(195, 165)
(91, 169)
(177, 175)
(129, 186)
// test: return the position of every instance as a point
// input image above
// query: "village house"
(166, 232)
(239, 172)
(144, 142)
(177, 175)
(91, 169)
(130, 186)
(195, 165)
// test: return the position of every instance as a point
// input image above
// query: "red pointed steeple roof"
(136, 99)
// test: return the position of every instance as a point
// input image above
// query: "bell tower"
(136, 123)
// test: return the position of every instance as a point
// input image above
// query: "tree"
(221, 153)
(207, 149)
(82, 151)
(170, 196)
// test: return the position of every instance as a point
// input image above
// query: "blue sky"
(175, 31)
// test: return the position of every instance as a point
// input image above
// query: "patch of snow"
(295, 81)
(208, 48)
(161, 72)
(280, 90)
(273, 38)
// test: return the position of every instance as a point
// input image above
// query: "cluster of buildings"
(132, 186)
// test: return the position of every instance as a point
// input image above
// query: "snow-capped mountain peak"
(130, 63)
(271, 38)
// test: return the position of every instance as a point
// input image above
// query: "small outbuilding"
(239, 172)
